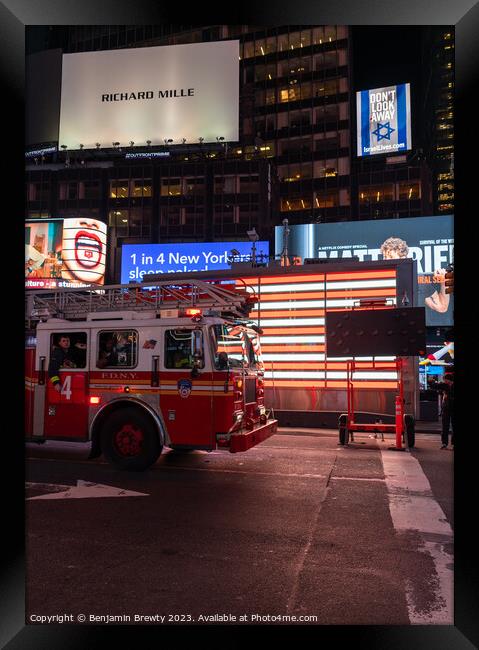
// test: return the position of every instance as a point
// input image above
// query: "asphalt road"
(295, 527)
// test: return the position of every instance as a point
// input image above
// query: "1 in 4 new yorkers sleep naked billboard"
(140, 260)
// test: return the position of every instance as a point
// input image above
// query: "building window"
(141, 187)
(68, 191)
(225, 184)
(296, 203)
(326, 60)
(194, 186)
(408, 191)
(299, 119)
(329, 142)
(170, 187)
(119, 189)
(376, 193)
(90, 190)
(265, 124)
(118, 219)
(327, 113)
(265, 72)
(249, 184)
(326, 199)
(290, 94)
(295, 146)
(294, 67)
(294, 173)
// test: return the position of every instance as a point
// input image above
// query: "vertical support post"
(399, 406)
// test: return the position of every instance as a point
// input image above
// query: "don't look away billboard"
(384, 120)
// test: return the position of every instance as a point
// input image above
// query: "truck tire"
(409, 429)
(129, 440)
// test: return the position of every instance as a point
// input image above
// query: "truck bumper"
(244, 440)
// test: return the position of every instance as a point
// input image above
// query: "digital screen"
(160, 93)
(140, 260)
(428, 240)
(384, 120)
(292, 311)
(64, 253)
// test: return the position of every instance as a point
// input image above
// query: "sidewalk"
(428, 427)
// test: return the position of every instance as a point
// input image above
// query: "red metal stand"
(398, 426)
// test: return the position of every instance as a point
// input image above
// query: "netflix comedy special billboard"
(384, 120)
(64, 253)
(150, 93)
(427, 240)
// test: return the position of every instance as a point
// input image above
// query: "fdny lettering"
(118, 375)
(147, 94)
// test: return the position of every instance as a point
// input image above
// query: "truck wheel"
(409, 427)
(129, 440)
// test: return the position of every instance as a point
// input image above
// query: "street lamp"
(253, 237)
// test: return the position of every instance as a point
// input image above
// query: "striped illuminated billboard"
(291, 311)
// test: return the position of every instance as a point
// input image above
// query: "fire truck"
(132, 369)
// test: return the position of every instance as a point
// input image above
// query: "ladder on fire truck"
(227, 300)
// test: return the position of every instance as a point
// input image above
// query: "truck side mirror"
(197, 352)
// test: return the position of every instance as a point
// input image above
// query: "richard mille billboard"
(174, 92)
(384, 120)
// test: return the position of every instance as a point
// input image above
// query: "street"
(298, 530)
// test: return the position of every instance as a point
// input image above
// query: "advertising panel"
(383, 120)
(291, 311)
(146, 259)
(62, 253)
(428, 240)
(150, 93)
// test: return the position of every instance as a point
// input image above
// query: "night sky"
(389, 55)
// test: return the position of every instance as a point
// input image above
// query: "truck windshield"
(233, 348)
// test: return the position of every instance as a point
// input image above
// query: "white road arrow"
(82, 490)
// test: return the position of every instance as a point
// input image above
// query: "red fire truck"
(133, 369)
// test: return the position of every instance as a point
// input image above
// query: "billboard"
(64, 253)
(150, 93)
(146, 259)
(383, 120)
(291, 311)
(428, 240)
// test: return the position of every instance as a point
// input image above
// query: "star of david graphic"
(387, 135)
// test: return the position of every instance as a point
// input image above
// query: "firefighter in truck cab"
(64, 356)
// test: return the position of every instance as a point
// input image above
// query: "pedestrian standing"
(447, 412)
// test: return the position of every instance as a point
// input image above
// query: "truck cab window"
(68, 350)
(232, 348)
(117, 348)
(179, 349)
